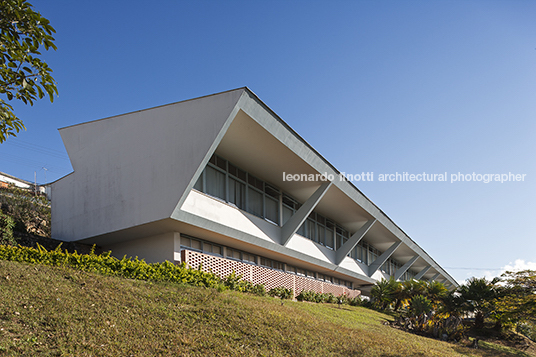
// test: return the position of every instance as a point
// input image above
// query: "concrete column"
(405, 267)
(297, 219)
(353, 241)
(382, 258)
(422, 272)
(434, 277)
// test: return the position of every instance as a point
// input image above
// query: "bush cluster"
(132, 268)
(311, 296)
(235, 282)
(281, 292)
(6, 229)
(29, 211)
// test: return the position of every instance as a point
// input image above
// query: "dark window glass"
(236, 172)
(199, 183)
(237, 193)
(215, 181)
(211, 248)
(311, 231)
(255, 182)
(212, 160)
(196, 244)
(271, 209)
(271, 191)
(221, 163)
(329, 238)
(301, 230)
(320, 234)
(248, 257)
(255, 202)
(278, 265)
(233, 254)
(289, 201)
(287, 213)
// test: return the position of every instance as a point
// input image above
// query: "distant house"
(7, 180)
(205, 181)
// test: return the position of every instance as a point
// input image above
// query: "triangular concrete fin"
(117, 158)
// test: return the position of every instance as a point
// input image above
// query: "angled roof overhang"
(256, 139)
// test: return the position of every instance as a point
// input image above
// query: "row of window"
(223, 180)
(188, 242)
(365, 253)
(324, 231)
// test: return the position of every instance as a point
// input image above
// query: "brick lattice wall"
(260, 275)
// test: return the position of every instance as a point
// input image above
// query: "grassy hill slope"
(51, 311)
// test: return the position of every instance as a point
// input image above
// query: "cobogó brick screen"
(261, 275)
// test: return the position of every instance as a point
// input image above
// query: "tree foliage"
(383, 292)
(24, 76)
(428, 307)
(515, 302)
(477, 295)
(30, 212)
(6, 229)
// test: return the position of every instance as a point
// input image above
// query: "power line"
(24, 161)
(37, 148)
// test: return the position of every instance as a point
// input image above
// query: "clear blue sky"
(374, 86)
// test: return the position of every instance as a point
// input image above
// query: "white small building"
(7, 180)
(203, 181)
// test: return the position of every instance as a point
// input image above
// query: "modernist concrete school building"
(201, 181)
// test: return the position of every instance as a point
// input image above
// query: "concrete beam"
(422, 272)
(297, 219)
(435, 277)
(353, 241)
(382, 258)
(405, 267)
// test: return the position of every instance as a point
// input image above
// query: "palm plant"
(436, 292)
(383, 292)
(419, 305)
(477, 294)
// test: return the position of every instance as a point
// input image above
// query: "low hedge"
(132, 268)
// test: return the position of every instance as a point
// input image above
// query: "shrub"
(235, 282)
(30, 211)
(330, 298)
(6, 229)
(105, 264)
(528, 329)
(232, 281)
(420, 305)
(258, 289)
(281, 292)
(356, 301)
(306, 295)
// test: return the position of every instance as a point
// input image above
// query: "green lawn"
(51, 311)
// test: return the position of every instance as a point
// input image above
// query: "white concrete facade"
(132, 191)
